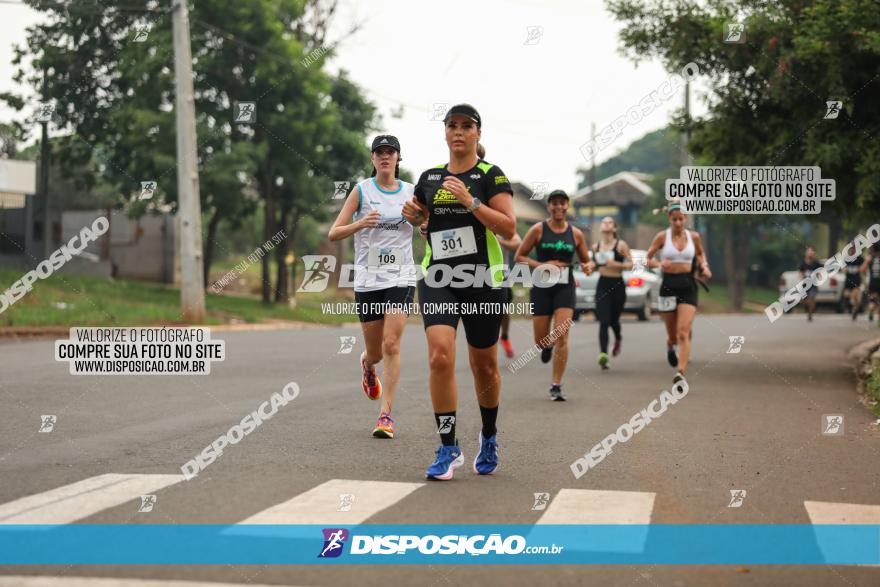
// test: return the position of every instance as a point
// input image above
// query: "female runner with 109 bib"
(385, 277)
(466, 202)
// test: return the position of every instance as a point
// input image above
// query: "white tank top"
(674, 255)
(383, 255)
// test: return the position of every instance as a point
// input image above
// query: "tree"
(114, 93)
(767, 96)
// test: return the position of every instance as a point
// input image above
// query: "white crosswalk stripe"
(326, 504)
(69, 503)
(591, 506)
(829, 512)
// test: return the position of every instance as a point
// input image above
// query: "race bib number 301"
(453, 243)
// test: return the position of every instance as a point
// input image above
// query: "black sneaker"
(556, 393)
(677, 377)
(672, 356)
(546, 354)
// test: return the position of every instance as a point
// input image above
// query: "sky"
(539, 72)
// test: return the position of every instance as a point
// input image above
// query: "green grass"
(62, 300)
(873, 388)
(718, 298)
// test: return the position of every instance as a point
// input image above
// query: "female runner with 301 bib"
(466, 202)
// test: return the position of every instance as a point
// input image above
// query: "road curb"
(866, 360)
(13, 333)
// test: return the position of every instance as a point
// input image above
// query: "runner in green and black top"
(556, 242)
(466, 203)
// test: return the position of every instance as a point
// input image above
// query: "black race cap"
(465, 110)
(557, 194)
(386, 141)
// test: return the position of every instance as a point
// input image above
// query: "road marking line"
(69, 503)
(589, 506)
(829, 512)
(320, 505)
(32, 581)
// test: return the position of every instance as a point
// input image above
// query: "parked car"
(642, 288)
(830, 293)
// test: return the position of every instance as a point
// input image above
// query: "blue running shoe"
(487, 459)
(448, 459)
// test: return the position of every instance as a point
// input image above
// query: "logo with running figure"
(832, 109)
(446, 424)
(346, 500)
(346, 344)
(541, 501)
(737, 497)
(832, 424)
(317, 274)
(735, 32)
(148, 502)
(340, 190)
(334, 542)
(736, 344)
(47, 423)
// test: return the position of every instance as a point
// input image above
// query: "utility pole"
(593, 236)
(192, 285)
(44, 180)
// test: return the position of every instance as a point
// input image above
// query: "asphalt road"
(751, 420)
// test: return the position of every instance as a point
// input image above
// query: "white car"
(830, 293)
(642, 288)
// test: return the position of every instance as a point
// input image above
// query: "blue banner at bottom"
(371, 544)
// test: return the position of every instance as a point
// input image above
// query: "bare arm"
(415, 212)
(580, 243)
(511, 244)
(527, 244)
(497, 215)
(343, 227)
(703, 263)
(656, 245)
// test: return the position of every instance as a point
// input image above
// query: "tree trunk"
(736, 261)
(269, 224)
(209, 244)
(282, 291)
(835, 228)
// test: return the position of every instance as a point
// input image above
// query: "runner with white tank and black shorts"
(385, 275)
(679, 248)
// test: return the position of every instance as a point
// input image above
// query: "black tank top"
(618, 256)
(555, 246)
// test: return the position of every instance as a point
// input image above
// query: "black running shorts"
(373, 305)
(480, 309)
(682, 286)
(546, 300)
